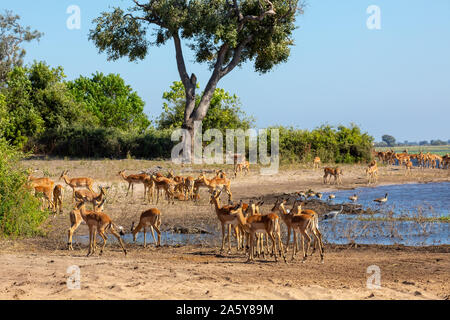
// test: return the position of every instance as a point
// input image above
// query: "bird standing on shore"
(353, 198)
(332, 214)
(382, 200)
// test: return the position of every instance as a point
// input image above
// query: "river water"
(419, 204)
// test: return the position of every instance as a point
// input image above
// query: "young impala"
(151, 218)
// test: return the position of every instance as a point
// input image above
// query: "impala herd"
(245, 221)
(424, 160)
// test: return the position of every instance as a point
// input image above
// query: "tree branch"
(236, 57)
(188, 83)
(180, 60)
(243, 20)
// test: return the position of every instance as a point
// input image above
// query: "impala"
(252, 209)
(313, 227)
(40, 181)
(217, 182)
(45, 192)
(244, 166)
(227, 219)
(58, 193)
(408, 166)
(180, 182)
(372, 172)
(76, 219)
(189, 183)
(89, 196)
(133, 179)
(77, 182)
(316, 163)
(152, 218)
(336, 172)
(100, 222)
(286, 216)
(265, 223)
(165, 184)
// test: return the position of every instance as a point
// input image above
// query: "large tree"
(12, 37)
(222, 33)
(390, 140)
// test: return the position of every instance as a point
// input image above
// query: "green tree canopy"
(390, 140)
(37, 101)
(111, 101)
(24, 119)
(12, 36)
(224, 113)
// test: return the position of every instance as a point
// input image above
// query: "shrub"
(341, 145)
(99, 142)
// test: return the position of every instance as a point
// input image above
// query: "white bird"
(382, 200)
(332, 214)
(353, 198)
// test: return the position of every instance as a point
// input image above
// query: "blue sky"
(395, 80)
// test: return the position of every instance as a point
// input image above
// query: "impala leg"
(145, 237)
(114, 233)
(272, 237)
(158, 232)
(128, 190)
(223, 238)
(280, 244)
(317, 238)
(229, 239)
(288, 238)
(72, 229)
(250, 254)
(91, 240)
(293, 246)
(236, 231)
(153, 234)
(102, 234)
(308, 238)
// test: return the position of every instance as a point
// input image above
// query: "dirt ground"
(37, 268)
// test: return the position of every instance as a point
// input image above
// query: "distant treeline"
(436, 142)
(340, 145)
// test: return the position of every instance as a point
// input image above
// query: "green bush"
(341, 145)
(99, 142)
(20, 213)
